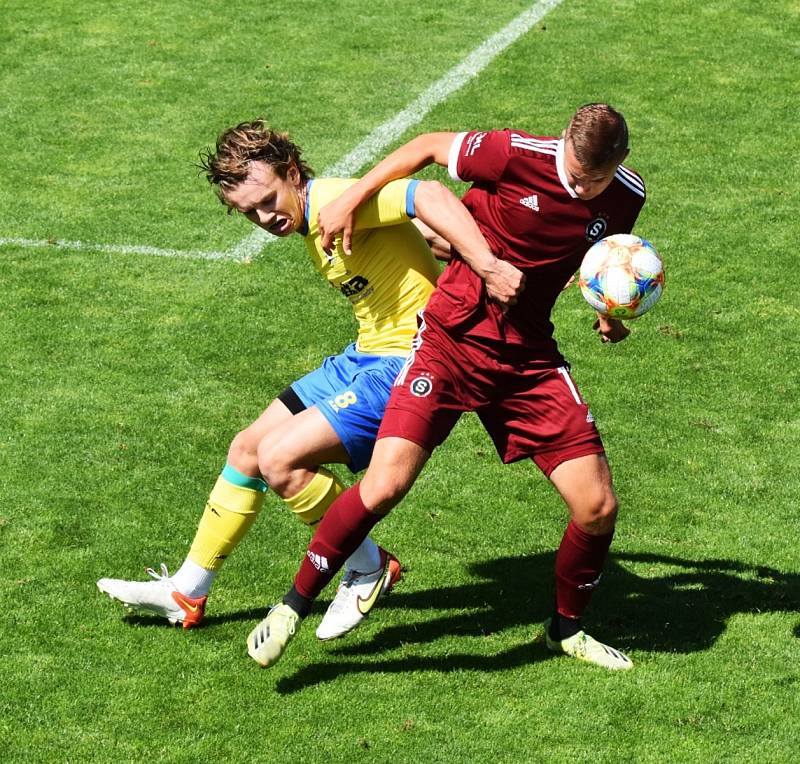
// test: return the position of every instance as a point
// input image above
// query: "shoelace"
(349, 577)
(164, 573)
(582, 645)
(288, 620)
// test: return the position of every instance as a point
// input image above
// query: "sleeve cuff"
(411, 189)
(452, 159)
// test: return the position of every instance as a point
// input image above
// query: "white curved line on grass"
(366, 151)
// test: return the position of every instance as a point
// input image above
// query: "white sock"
(366, 558)
(192, 580)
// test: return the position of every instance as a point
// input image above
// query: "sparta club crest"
(596, 228)
(421, 386)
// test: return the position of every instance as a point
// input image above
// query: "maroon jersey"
(530, 217)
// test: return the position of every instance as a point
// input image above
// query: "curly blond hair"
(229, 164)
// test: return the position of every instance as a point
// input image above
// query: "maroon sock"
(345, 525)
(579, 563)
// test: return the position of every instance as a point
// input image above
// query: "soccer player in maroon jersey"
(540, 203)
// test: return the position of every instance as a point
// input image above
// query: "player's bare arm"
(610, 329)
(439, 246)
(338, 216)
(439, 208)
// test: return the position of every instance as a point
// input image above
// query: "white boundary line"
(364, 152)
(119, 249)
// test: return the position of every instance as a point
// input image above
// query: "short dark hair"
(599, 136)
(248, 142)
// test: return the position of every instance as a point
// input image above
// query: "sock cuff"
(233, 498)
(584, 539)
(231, 475)
(297, 602)
(319, 487)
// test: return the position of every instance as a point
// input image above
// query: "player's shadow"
(251, 615)
(646, 602)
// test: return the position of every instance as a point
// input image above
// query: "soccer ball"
(622, 276)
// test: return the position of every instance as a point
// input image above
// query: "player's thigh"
(351, 391)
(273, 417)
(244, 445)
(304, 441)
(586, 486)
(395, 465)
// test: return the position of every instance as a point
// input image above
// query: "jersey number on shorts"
(343, 401)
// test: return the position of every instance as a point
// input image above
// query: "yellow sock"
(313, 501)
(232, 507)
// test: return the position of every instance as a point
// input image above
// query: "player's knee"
(242, 453)
(599, 514)
(606, 513)
(274, 466)
(380, 493)
(430, 191)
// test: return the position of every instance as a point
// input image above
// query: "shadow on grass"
(676, 605)
(251, 615)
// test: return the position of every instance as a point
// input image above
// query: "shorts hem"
(354, 466)
(547, 461)
(418, 433)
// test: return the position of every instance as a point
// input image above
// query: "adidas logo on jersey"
(473, 143)
(531, 202)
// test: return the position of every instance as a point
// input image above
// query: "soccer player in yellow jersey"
(332, 414)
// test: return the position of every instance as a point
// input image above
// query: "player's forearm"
(338, 216)
(431, 148)
(438, 208)
(438, 244)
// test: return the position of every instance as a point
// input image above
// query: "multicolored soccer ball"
(622, 276)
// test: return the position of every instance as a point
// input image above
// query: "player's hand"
(504, 284)
(610, 329)
(336, 217)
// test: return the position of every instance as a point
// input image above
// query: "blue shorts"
(351, 390)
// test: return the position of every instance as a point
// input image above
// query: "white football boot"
(357, 595)
(588, 649)
(158, 596)
(266, 643)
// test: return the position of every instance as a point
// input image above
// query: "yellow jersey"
(391, 271)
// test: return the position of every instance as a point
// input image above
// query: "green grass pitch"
(123, 377)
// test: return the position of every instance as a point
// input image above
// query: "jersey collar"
(303, 230)
(562, 173)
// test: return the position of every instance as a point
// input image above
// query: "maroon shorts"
(528, 409)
